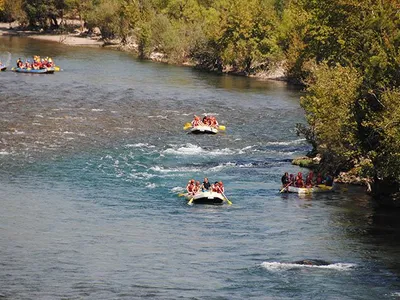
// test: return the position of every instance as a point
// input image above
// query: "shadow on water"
(384, 233)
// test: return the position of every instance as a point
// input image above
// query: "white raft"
(321, 188)
(204, 129)
(206, 198)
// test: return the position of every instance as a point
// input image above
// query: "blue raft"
(34, 71)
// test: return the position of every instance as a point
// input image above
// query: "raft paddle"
(221, 127)
(191, 201)
(285, 188)
(187, 126)
(226, 198)
(181, 194)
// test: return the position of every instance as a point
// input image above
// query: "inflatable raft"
(204, 129)
(3, 68)
(34, 71)
(321, 188)
(206, 198)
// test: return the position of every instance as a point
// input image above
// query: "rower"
(190, 187)
(221, 188)
(196, 121)
(197, 187)
(285, 179)
(214, 187)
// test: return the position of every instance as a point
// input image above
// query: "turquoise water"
(92, 159)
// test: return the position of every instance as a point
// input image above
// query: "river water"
(92, 159)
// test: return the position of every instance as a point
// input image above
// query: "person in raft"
(197, 187)
(310, 181)
(190, 188)
(285, 179)
(196, 121)
(210, 121)
(218, 187)
(206, 185)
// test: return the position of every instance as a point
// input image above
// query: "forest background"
(345, 52)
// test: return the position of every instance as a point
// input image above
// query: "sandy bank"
(67, 39)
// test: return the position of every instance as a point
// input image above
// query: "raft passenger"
(196, 121)
(206, 185)
(221, 188)
(285, 179)
(319, 179)
(190, 187)
(299, 180)
(197, 187)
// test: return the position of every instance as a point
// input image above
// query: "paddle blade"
(191, 201)
(187, 126)
(226, 199)
(181, 195)
(57, 69)
(221, 127)
(324, 187)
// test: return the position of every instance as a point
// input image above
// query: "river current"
(92, 159)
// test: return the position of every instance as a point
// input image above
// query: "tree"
(329, 104)
(105, 15)
(244, 36)
(79, 8)
(11, 10)
(43, 13)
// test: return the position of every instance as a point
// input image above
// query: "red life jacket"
(190, 188)
(299, 182)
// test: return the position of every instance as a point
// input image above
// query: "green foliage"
(106, 16)
(245, 37)
(385, 127)
(43, 13)
(329, 105)
(11, 10)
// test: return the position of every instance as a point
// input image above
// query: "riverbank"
(70, 39)
(77, 38)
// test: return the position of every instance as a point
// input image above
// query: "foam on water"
(190, 149)
(141, 175)
(287, 143)
(139, 145)
(150, 185)
(177, 189)
(174, 170)
(158, 117)
(249, 165)
(210, 114)
(222, 166)
(279, 266)
(395, 294)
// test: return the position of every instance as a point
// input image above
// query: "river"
(92, 159)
